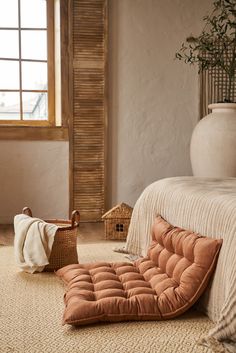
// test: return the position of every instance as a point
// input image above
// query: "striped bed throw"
(206, 206)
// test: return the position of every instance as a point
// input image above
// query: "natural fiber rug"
(31, 308)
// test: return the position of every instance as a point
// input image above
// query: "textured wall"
(34, 174)
(152, 111)
(153, 98)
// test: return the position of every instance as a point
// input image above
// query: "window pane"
(9, 47)
(8, 13)
(34, 75)
(34, 44)
(33, 14)
(35, 106)
(9, 106)
(9, 74)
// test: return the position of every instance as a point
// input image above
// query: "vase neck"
(223, 107)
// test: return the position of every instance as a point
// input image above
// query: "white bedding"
(206, 206)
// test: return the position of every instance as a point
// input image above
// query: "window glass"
(33, 14)
(8, 13)
(24, 60)
(9, 105)
(34, 75)
(9, 74)
(34, 45)
(9, 47)
(35, 106)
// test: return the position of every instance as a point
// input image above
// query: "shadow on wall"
(153, 99)
(34, 173)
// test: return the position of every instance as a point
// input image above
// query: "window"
(119, 227)
(27, 62)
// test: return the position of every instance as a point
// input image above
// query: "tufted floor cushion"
(160, 286)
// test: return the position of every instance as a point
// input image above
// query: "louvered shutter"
(214, 83)
(87, 141)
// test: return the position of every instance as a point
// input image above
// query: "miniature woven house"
(117, 221)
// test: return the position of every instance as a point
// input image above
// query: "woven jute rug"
(31, 308)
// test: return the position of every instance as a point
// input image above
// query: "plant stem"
(229, 89)
(232, 69)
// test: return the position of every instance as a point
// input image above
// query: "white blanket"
(206, 206)
(33, 242)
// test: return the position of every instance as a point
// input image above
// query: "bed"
(206, 206)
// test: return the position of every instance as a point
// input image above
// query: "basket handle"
(27, 211)
(75, 218)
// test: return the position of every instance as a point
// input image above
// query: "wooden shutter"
(88, 126)
(214, 84)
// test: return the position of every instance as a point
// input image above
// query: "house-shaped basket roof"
(120, 211)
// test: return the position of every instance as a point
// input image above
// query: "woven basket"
(64, 250)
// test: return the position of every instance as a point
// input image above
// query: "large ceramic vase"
(213, 143)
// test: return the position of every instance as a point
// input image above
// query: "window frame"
(51, 74)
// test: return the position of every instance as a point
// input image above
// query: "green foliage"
(211, 48)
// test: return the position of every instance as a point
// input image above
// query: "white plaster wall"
(35, 174)
(153, 98)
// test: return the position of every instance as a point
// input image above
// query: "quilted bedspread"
(206, 206)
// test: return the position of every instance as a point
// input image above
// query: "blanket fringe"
(212, 343)
(121, 250)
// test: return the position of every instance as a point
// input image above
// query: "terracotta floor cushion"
(160, 286)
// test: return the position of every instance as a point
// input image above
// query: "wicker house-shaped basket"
(117, 221)
(64, 249)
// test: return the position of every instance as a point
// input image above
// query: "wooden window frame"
(51, 132)
(50, 69)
